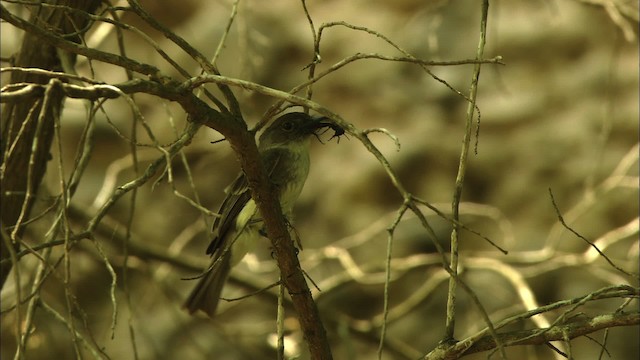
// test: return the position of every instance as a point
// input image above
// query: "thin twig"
(462, 166)
(561, 219)
(385, 310)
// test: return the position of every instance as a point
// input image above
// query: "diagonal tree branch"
(243, 143)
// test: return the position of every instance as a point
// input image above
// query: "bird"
(284, 150)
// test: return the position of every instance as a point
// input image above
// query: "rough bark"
(25, 147)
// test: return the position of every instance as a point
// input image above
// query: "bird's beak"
(319, 122)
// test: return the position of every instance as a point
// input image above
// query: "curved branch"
(539, 336)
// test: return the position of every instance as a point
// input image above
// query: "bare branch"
(569, 331)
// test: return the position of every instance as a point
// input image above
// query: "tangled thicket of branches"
(106, 163)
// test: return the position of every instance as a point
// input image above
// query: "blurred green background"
(561, 114)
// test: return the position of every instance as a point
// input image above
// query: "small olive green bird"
(284, 149)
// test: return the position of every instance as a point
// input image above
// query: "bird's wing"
(238, 195)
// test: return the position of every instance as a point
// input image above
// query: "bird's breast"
(291, 176)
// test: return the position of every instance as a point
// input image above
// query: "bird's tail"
(206, 294)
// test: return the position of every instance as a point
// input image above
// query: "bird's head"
(294, 127)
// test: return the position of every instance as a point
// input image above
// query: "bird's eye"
(287, 126)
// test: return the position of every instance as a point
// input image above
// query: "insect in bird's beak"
(323, 124)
